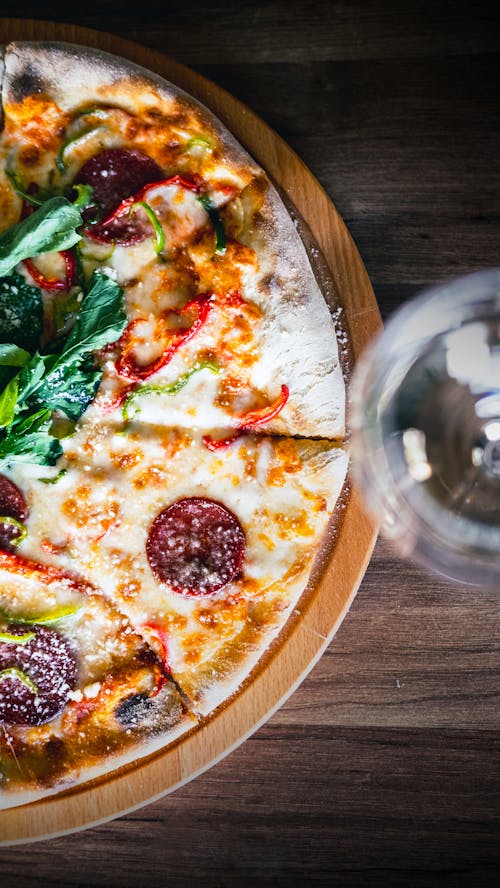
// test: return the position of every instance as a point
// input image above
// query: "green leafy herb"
(13, 356)
(8, 401)
(70, 388)
(68, 381)
(66, 309)
(101, 319)
(21, 312)
(21, 320)
(37, 447)
(53, 226)
(63, 383)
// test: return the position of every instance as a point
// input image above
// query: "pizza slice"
(207, 552)
(81, 692)
(214, 272)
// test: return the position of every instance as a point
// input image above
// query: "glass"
(425, 426)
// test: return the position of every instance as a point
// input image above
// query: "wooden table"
(383, 768)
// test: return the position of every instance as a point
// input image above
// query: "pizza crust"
(82, 76)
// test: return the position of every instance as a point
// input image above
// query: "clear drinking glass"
(425, 427)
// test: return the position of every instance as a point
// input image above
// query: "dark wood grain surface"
(383, 768)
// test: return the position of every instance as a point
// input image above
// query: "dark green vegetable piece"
(62, 383)
(21, 312)
(21, 321)
(217, 223)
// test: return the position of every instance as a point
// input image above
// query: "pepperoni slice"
(36, 675)
(114, 175)
(196, 545)
(12, 505)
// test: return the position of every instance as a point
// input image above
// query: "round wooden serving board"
(343, 565)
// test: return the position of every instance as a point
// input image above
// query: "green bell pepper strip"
(217, 223)
(8, 638)
(61, 165)
(14, 672)
(55, 479)
(48, 617)
(23, 530)
(155, 222)
(171, 389)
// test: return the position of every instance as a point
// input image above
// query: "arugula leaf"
(30, 377)
(8, 400)
(41, 419)
(36, 447)
(51, 227)
(101, 319)
(59, 383)
(13, 356)
(70, 383)
(70, 388)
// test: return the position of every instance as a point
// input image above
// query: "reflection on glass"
(425, 421)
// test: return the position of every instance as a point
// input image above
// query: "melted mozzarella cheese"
(98, 516)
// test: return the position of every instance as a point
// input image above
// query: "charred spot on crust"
(29, 155)
(28, 83)
(147, 657)
(266, 284)
(133, 710)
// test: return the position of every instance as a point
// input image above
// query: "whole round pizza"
(172, 416)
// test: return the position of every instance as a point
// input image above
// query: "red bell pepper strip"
(126, 364)
(54, 284)
(160, 636)
(214, 444)
(260, 417)
(116, 400)
(125, 207)
(250, 420)
(44, 573)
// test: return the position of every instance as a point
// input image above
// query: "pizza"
(172, 417)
